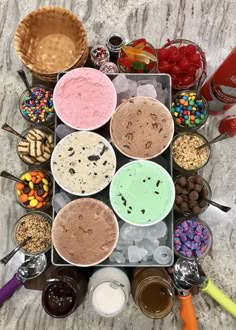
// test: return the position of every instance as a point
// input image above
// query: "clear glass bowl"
(175, 75)
(209, 247)
(50, 121)
(182, 128)
(192, 170)
(49, 202)
(153, 68)
(208, 194)
(24, 133)
(46, 217)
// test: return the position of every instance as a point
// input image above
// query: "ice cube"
(148, 245)
(163, 255)
(156, 231)
(136, 254)
(60, 200)
(63, 130)
(132, 233)
(121, 84)
(152, 82)
(123, 244)
(132, 87)
(117, 257)
(146, 90)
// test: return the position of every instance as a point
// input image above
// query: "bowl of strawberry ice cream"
(84, 99)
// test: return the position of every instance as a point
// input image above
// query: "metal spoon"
(192, 272)
(12, 177)
(219, 138)
(219, 206)
(25, 81)
(8, 257)
(30, 269)
(8, 128)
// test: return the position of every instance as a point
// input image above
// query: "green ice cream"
(142, 193)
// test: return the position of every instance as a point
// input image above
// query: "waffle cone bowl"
(50, 40)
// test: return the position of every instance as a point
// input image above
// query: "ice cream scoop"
(192, 273)
(30, 269)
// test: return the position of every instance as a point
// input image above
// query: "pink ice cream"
(84, 99)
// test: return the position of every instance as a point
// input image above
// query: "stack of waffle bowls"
(49, 40)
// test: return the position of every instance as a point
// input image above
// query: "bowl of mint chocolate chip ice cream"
(83, 163)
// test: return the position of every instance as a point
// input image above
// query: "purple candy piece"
(197, 238)
(198, 253)
(184, 247)
(177, 247)
(190, 234)
(205, 231)
(178, 232)
(183, 237)
(177, 240)
(184, 225)
(188, 244)
(189, 253)
(199, 228)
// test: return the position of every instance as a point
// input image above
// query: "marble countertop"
(209, 23)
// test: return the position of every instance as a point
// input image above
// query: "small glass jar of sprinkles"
(99, 54)
(114, 43)
(192, 238)
(189, 113)
(109, 67)
(38, 108)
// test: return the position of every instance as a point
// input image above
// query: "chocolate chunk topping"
(125, 146)
(70, 149)
(157, 183)
(104, 163)
(82, 191)
(104, 148)
(72, 154)
(93, 158)
(72, 171)
(128, 211)
(143, 211)
(156, 192)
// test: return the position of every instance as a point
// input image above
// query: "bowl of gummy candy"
(138, 56)
(183, 60)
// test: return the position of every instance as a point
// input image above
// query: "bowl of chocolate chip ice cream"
(141, 128)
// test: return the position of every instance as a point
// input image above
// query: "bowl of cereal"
(36, 227)
(187, 156)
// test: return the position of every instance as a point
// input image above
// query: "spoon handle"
(8, 257)
(7, 175)
(220, 297)
(219, 206)
(8, 128)
(187, 313)
(220, 137)
(9, 288)
(24, 79)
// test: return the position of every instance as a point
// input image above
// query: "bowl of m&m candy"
(138, 56)
(189, 112)
(37, 108)
(183, 60)
(192, 238)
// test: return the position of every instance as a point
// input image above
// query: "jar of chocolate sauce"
(64, 291)
(114, 43)
(153, 292)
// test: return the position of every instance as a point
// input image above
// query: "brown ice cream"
(141, 127)
(85, 232)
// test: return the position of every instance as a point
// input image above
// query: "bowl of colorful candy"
(191, 192)
(138, 56)
(38, 108)
(35, 192)
(189, 113)
(192, 238)
(183, 60)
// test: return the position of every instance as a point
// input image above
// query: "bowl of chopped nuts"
(37, 227)
(187, 156)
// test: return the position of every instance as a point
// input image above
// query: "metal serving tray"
(164, 160)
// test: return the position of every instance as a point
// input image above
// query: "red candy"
(181, 63)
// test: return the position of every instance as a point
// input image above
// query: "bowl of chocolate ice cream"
(141, 128)
(191, 192)
(85, 232)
